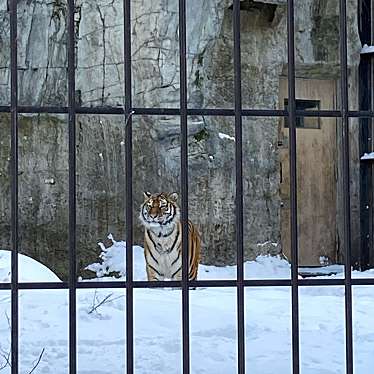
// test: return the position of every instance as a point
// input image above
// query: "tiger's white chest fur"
(163, 245)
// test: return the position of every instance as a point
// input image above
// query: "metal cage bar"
(293, 187)
(129, 192)
(14, 186)
(190, 111)
(305, 282)
(184, 186)
(346, 189)
(239, 188)
(72, 192)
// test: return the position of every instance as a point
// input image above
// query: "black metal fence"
(183, 112)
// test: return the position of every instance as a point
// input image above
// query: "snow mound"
(29, 270)
(113, 262)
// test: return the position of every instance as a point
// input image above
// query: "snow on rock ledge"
(226, 136)
(367, 49)
(368, 156)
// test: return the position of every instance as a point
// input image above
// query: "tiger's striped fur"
(160, 216)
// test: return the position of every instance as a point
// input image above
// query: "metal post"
(184, 186)
(293, 187)
(129, 195)
(72, 192)
(14, 184)
(346, 189)
(239, 187)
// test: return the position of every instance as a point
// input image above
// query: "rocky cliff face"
(43, 166)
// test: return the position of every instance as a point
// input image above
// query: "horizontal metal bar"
(38, 286)
(362, 282)
(191, 112)
(144, 111)
(360, 114)
(318, 113)
(199, 283)
(320, 282)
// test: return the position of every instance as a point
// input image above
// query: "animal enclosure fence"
(238, 112)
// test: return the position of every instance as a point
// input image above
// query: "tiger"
(160, 216)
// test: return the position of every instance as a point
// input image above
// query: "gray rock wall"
(155, 70)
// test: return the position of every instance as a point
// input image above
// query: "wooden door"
(316, 173)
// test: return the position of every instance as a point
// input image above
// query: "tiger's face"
(159, 210)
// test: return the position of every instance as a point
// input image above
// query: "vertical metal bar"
(14, 185)
(239, 187)
(72, 192)
(371, 142)
(346, 189)
(361, 259)
(184, 186)
(129, 197)
(293, 187)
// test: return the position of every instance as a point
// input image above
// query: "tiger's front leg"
(153, 275)
(177, 276)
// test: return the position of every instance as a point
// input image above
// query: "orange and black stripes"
(163, 240)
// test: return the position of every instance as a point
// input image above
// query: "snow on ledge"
(368, 156)
(367, 49)
(225, 136)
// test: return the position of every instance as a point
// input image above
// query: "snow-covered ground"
(157, 319)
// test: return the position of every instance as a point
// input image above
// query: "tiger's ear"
(173, 196)
(147, 195)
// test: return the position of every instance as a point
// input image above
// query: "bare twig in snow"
(102, 302)
(6, 357)
(8, 319)
(38, 361)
